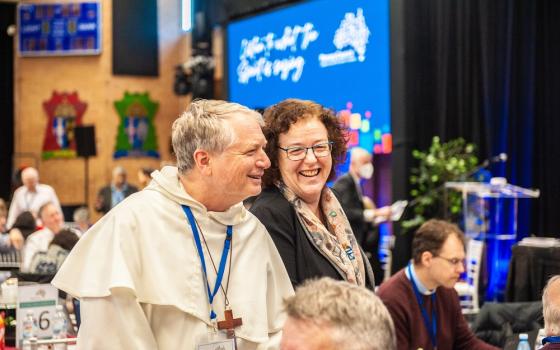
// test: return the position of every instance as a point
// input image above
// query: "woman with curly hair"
(304, 218)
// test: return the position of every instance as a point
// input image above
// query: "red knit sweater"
(453, 332)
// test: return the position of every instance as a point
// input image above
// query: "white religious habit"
(139, 276)
(25, 200)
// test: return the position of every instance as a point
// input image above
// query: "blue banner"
(59, 29)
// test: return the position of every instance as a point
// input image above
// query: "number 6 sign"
(41, 299)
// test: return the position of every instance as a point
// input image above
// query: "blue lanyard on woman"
(551, 339)
(225, 252)
(431, 330)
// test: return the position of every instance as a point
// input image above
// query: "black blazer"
(104, 200)
(301, 259)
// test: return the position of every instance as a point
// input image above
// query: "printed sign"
(41, 300)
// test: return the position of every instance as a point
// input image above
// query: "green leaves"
(441, 163)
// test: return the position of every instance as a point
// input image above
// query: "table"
(529, 270)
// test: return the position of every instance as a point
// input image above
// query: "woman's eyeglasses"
(299, 152)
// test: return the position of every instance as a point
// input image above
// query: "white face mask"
(366, 171)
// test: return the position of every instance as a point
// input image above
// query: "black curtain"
(481, 70)
(7, 18)
(547, 122)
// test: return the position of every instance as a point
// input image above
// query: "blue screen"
(333, 52)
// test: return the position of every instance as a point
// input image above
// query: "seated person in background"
(144, 176)
(421, 299)
(81, 219)
(326, 314)
(360, 209)
(111, 195)
(39, 241)
(31, 196)
(6, 244)
(24, 226)
(551, 314)
(49, 262)
(305, 220)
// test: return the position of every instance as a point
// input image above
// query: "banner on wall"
(136, 135)
(57, 29)
(64, 112)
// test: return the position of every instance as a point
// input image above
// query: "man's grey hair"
(551, 308)
(81, 214)
(30, 172)
(356, 317)
(119, 170)
(202, 126)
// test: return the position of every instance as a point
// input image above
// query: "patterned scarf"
(336, 242)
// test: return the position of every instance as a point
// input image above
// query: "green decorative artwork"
(136, 135)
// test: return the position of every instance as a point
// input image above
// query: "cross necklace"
(230, 323)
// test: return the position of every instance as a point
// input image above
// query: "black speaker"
(85, 141)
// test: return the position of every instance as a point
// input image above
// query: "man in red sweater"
(551, 313)
(421, 299)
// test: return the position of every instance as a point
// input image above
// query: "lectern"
(490, 215)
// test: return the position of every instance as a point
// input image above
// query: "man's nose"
(263, 161)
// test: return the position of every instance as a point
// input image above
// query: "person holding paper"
(359, 209)
(302, 215)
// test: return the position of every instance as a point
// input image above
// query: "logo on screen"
(354, 32)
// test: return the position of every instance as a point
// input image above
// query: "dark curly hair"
(279, 119)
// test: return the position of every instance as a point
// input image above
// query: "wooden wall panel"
(36, 78)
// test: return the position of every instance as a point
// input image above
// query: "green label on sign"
(37, 304)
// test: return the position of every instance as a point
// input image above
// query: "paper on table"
(397, 210)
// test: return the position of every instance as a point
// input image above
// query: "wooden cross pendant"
(230, 323)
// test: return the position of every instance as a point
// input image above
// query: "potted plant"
(454, 160)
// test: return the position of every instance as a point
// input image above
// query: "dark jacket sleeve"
(346, 193)
(279, 220)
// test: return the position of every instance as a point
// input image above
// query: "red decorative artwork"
(64, 113)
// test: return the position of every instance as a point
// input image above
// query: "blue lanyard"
(223, 260)
(433, 329)
(551, 339)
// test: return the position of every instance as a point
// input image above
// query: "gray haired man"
(182, 264)
(551, 313)
(326, 314)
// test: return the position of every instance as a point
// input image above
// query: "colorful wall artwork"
(64, 112)
(136, 136)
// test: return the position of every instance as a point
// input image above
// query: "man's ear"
(426, 258)
(202, 161)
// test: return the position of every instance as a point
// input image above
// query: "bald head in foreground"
(551, 313)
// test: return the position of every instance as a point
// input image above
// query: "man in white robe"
(138, 272)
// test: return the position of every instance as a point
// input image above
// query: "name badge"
(226, 344)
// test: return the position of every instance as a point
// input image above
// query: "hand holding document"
(396, 210)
